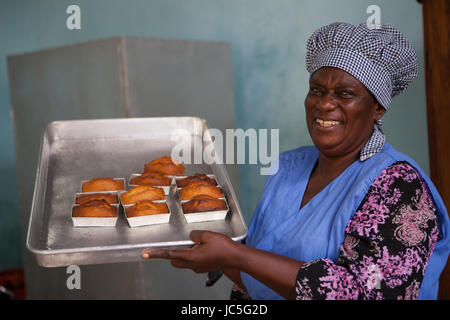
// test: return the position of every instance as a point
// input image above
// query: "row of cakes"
(201, 198)
(145, 202)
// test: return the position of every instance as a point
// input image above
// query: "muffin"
(203, 203)
(151, 178)
(95, 209)
(198, 177)
(141, 193)
(165, 165)
(200, 188)
(147, 207)
(108, 197)
(102, 184)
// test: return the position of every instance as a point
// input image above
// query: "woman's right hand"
(211, 251)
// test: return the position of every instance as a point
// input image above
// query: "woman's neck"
(331, 167)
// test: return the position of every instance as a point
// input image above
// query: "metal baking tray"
(72, 151)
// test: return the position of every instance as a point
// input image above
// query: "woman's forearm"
(235, 276)
(277, 272)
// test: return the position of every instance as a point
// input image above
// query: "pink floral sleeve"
(387, 246)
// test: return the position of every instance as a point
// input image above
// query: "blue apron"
(317, 229)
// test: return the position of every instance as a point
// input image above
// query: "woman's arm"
(275, 271)
(235, 276)
(387, 245)
(214, 251)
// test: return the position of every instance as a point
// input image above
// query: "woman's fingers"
(164, 254)
(206, 254)
(197, 236)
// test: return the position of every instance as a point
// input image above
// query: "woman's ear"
(379, 111)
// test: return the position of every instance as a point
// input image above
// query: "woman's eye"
(347, 94)
(314, 90)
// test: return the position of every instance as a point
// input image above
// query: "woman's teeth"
(327, 123)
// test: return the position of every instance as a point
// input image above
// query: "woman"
(350, 217)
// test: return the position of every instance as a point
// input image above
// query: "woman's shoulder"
(399, 191)
(402, 170)
(400, 176)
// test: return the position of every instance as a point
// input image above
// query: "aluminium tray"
(72, 151)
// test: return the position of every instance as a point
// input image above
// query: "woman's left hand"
(211, 251)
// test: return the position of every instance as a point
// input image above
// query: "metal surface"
(72, 151)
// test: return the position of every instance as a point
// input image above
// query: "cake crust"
(151, 178)
(198, 177)
(95, 209)
(165, 165)
(200, 188)
(146, 207)
(108, 197)
(102, 184)
(141, 193)
(203, 203)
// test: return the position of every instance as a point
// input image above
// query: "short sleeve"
(387, 244)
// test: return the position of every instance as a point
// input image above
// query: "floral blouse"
(387, 246)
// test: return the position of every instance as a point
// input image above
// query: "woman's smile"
(340, 111)
(327, 124)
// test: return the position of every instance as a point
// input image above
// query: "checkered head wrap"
(381, 58)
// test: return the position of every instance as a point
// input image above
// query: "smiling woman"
(340, 111)
(350, 217)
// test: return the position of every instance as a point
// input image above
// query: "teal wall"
(268, 40)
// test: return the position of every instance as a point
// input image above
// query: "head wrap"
(381, 58)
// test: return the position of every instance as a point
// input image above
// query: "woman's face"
(340, 112)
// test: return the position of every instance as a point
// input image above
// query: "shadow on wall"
(10, 240)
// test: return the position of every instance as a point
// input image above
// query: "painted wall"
(268, 39)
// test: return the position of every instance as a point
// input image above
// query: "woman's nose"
(327, 102)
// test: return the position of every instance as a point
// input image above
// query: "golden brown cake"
(145, 208)
(108, 197)
(141, 193)
(199, 188)
(198, 177)
(165, 165)
(102, 184)
(203, 203)
(151, 178)
(95, 209)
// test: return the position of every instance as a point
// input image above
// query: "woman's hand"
(211, 251)
(215, 251)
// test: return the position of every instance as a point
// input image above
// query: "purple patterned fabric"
(387, 246)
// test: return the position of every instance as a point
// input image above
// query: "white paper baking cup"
(95, 221)
(121, 179)
(147, 220)
(165, 188)
(205, 216)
